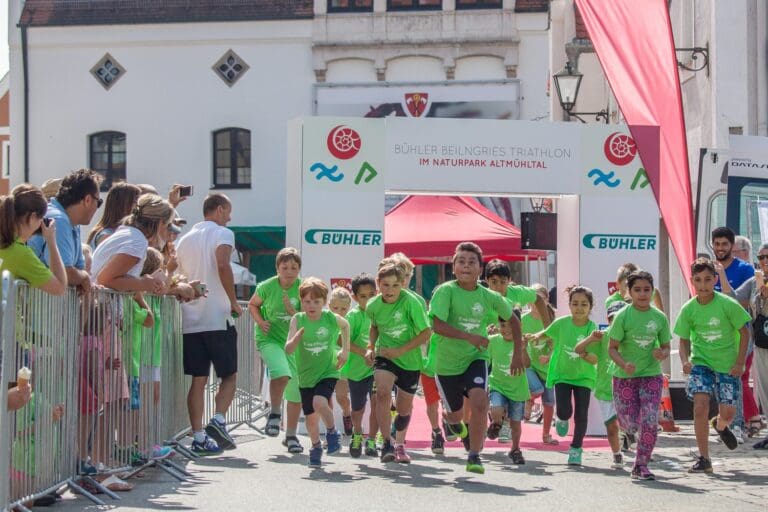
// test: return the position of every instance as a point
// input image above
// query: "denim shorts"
(724, 387)
(515, 409)
(537, 388)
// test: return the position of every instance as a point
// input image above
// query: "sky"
(3, 37)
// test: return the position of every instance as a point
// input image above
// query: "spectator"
(51, 187)
(742, 249)
(74, 205)
(121, 200)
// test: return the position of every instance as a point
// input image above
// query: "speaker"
(538, 231)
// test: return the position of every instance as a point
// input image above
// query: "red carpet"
(420, 435)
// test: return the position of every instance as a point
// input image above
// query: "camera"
(186, 191)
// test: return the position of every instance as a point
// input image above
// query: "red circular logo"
(620, 149)
(344, 142)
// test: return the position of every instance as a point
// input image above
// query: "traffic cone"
(666, 419)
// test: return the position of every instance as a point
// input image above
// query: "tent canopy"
(428, 228)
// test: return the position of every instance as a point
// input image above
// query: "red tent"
(428, 228)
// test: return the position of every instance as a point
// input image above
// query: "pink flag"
(633, 40)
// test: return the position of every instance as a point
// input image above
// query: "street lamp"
(567, 83)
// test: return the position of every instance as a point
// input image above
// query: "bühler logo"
(620, 242)
(358, 237)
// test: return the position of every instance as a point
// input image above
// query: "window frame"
(353, 8)
(481, 5)
(108, 177)
(233, 150)
(403, 8)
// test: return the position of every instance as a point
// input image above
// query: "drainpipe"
(24, 60)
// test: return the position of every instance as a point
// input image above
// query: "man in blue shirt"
(75, 205)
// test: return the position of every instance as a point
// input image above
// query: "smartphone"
(201, 289)
(47, 221)
(186, 191)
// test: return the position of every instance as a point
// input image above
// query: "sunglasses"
(761, 257)
(99, 201)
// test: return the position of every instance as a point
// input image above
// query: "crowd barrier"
(106, 390)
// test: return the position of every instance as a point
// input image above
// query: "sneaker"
(561, 427)
(738, 434)
(642, 473)
(574, 456)
(618, 461)
(347, 425)
(387, 452)
(370, 448)
(493, 431)
(272, 429)
(449, 434)
(356, 445)
(87, 467)
(379, 439)
(475, 465)
(401, 456)
(726, 435)
(218, 431)
(438, 443)
(207, 447)
(516, 456)
(702, 465)
(293, 444)
(505, 435)
(316, 456)
(334, 445)
(162, 452)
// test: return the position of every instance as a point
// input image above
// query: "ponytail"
(23, 201)
(7, 221)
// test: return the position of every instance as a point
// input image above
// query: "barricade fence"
(107, 388)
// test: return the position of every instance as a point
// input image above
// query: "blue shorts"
(725, 388)
(537, 388)
(514, 408)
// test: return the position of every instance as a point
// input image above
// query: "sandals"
(548, 439)
(755, 426)
(293, 444)
(272, 429)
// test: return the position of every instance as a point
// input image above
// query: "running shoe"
(347, 425)
(379, 439)
(574, 456)
(505, 435)
(702, 465)
(370, 448)
(465, 438)
(726, 435)
(272, 429)
(316, 456)
(332, 438)
(475, 465)
(293, 444)
(401, 456)
(438, 443)
(642, 473)
(618, 461)
(218, 431)
(738, 434)
(449, 434)
(493, 431)
(207, 447)
(516, 456)
(162, 452)
(356, 445)
(387, 452)
(561, 427)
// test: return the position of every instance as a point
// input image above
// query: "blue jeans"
(537, 388)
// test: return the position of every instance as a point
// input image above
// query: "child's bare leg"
(516, 427)
(342, 397)
(292, 413)
(549, 412)
(433, 414)
(613, 435)
(701, 422)
(404, 404)
(725, 416)
(312, 428)
(323, 408)
(497, 415)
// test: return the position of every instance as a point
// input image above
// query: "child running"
(707, 327)
(572, 375)
(313, 335)
(359, 369)
(639, 340)
(461, 312)
(509, 391)
(340, 303)
(399, 326)
(272, 305)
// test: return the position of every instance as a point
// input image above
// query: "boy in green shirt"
(399, 326)
(272, 305)
(340, 302)
(314, 335)
(712, 356)
(461, 312)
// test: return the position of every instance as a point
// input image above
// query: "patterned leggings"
(637, 406)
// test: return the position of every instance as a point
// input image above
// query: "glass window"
(413, 5)
(350, 5)
(232, 158)
(108, 157)
(478, 4)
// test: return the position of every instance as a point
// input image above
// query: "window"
(350, 5)
(108, 152)
(232, 158)
(478, 4)
(414, 5)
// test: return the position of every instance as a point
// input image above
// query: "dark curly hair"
(76, 186)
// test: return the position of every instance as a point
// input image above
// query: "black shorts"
(323, 388)
(217, 347)
(406, 380)
(359, 391)
(453, 388)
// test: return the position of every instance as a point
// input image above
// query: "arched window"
(232, 158)
(107, 156)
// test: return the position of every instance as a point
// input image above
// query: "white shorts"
(150, 373)
(608, 410)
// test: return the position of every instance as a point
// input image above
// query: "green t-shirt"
(604, 370)
(639, 333)
(520, 295)
(513, 387)
(566, 366)
(398, 323)
(530, 325)
(20, 260)
(157, 332)
(417, 297)
(712, 330)
(469, 311)
(137, 335)
(273, 310)
(616, 297)
(316, 357)
(359, 333)
(428, 364)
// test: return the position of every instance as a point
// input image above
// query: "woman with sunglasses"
(121, 199)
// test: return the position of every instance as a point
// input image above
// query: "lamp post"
(567, 83)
